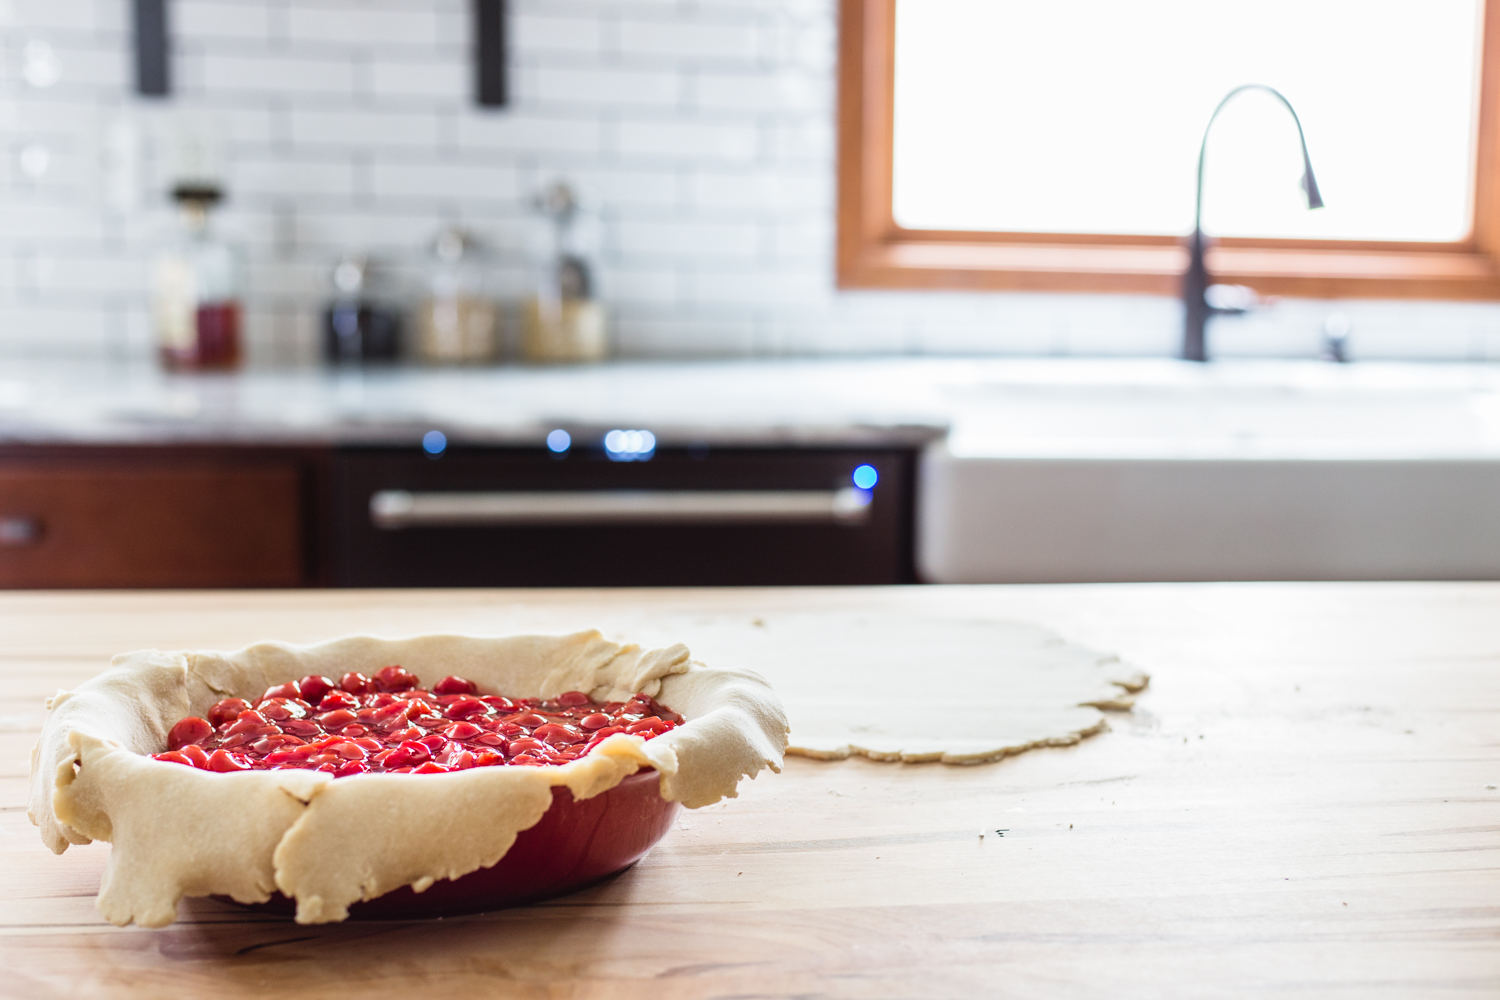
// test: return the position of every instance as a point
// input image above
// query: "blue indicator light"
(865, 477)
(629, 446)
(559, 441)
(433, 442)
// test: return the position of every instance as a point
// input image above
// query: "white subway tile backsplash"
(607, 87)
(658, 239)
(196, 20)
(539, 33)
(74, 15)
(520, 133)
(448, 78)
(278, 74)
(699, 134)
(692, 42)
(344, 128)
(344, 24)
(444, 183)
(292, 178)
(787, 92)
(702, 140)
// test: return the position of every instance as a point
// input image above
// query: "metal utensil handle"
(397, 509)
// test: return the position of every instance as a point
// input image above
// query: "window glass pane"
(1084, 116)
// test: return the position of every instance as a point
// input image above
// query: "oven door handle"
(395, 510)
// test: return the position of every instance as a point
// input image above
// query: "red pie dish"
(328, 780)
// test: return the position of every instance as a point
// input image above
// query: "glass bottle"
(357, 326)
(563, 322)
(459, 323)
(196, 290)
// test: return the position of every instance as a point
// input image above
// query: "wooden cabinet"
(152, 518)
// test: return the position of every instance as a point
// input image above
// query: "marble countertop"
(994, 407)
(739, 403)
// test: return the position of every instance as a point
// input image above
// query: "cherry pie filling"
(390, 723)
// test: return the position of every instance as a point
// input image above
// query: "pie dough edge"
(91, 779)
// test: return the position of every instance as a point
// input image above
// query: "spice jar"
(562, 321)
(459, 322)
(196, 289)
(357, 326)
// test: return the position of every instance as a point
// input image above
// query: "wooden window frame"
(874, 252)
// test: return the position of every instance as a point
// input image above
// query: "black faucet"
(1195, 281)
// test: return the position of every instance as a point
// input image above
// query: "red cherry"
(314, 687)
(356, 683)
(172, 757)
(337, 719)
(304, 728)
(530, 720)
(573, 699)
(189, 730)
(462, 731)
(247, 723)
(455, 685)
(431, 768)
(394, 679)
(196, 755)
(227, 711)
(595, 721)
(350, 768)
(488, 758)
(465, 708)
(282, 709)
(556, 735)
(349, 750)
(523, 745)
(498, 703)
(224, 761)
(337, 699)
(287, 690)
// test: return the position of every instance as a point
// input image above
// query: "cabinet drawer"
(84, 524)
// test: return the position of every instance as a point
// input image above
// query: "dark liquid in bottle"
(218, 340)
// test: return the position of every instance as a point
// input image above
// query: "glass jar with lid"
(563, 321)
(196, 289)
(459, 323)
(360, 325)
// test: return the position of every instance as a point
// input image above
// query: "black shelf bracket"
(489, 54)
(153, 71)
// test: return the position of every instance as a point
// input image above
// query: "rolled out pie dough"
(905, 687)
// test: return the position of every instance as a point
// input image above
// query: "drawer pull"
(397, 509)
(18, 531)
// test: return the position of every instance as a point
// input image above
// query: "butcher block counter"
(1302, 803)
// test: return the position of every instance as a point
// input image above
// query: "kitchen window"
(1006, 144)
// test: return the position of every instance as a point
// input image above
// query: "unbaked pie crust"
(178, 831)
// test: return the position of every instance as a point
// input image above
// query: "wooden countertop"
(1302, 804)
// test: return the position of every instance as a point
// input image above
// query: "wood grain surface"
(1302, 804)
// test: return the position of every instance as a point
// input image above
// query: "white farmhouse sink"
(1126, 470)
